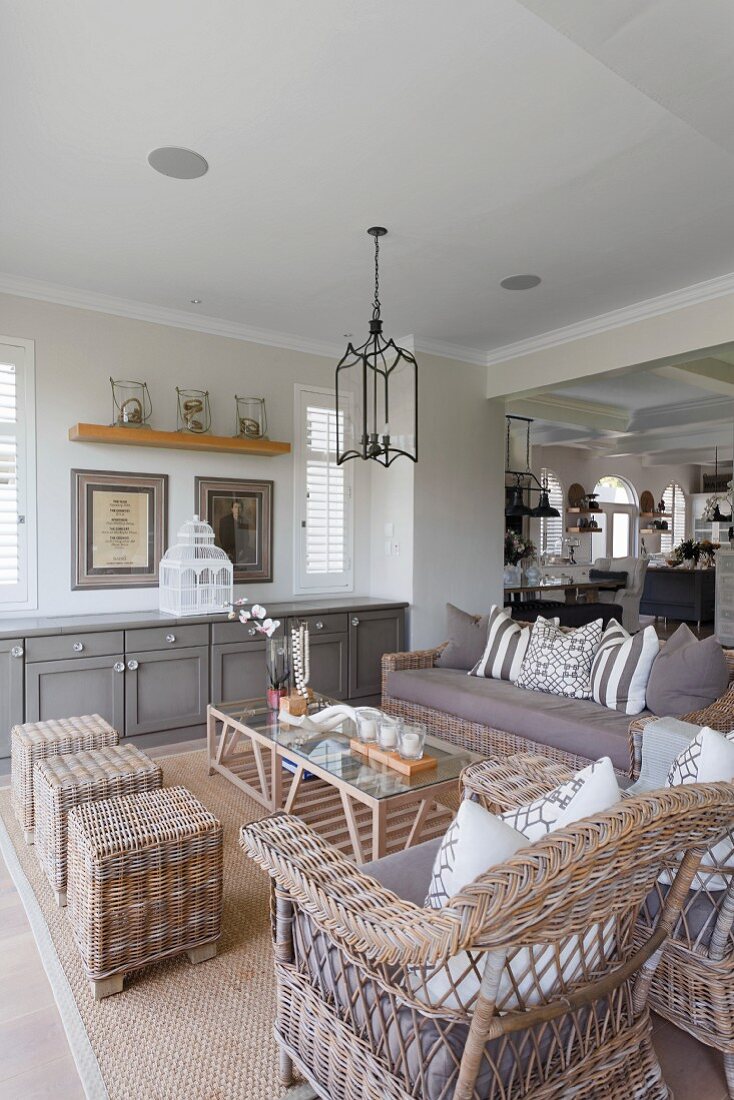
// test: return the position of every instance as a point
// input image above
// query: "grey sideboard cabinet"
(12, 668)
(166, 678)
(80, 673)
(152, 677)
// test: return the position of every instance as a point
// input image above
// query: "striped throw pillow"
(507, 644)
(622, 666)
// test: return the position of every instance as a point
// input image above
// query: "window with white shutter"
(675, 512)
(323, 495)
(552, 527)
(17, 477)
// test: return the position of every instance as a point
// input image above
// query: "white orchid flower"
(241, 600)
(258, 611)
(245, 616)
(269, 627)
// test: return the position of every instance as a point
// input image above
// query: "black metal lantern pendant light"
(515, 505)
(377, 392)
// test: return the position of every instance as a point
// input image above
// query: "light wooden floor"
(35, 1062)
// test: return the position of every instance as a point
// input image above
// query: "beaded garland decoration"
(301, 657)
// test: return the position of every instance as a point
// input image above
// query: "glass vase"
(278, 669)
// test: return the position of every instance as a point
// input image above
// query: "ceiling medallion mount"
(377, 391)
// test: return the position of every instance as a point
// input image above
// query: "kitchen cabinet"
(372, 633)
(11, 689)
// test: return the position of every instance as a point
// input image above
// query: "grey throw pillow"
(467, 635)
(686, 675)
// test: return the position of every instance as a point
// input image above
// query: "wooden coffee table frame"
(363, 826)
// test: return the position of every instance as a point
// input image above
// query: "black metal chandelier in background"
(377, 392)
(515, 506)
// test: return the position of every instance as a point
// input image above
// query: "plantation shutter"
(552, 527)
(326, 505)
(675, 511)
(13, 489)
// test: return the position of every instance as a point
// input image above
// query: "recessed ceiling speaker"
(520, 282)
(179, 164)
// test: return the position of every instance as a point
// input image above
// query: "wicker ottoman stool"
(62, 782)
(39, 740)
(144, 882)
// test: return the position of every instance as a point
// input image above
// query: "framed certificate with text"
(118, 529)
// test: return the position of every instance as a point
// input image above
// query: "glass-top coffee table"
(366, 809)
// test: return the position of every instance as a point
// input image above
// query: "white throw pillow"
(621, 667)
(507, 644)
(475, 841)
(708, 758)
(559, 663)
(456, 984)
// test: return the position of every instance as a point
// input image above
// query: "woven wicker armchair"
(352, 961)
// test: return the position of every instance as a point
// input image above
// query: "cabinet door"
(11, 690)
(238, 671)
(372, 633)
(166, 689)
(65, 689)
(329, 664)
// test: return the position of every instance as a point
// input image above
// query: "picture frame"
(119, 528)
(240, 512)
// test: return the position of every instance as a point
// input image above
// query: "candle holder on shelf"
(193, 412)
(411, 741)
(368, 723)
(131, 404)
(251, 419)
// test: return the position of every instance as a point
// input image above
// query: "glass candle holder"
(193, 412)
(278, 669)
(389, 731)
(368, 723)
(411, 741)
(131, 404)
(251, 421)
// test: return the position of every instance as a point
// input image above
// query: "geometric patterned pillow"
(558, 663)
(592, 790)
(475, 841)
(708, 758)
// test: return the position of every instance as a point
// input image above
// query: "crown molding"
(476, 356)
(159, 315)
(604, 322)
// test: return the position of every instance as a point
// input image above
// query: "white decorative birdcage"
(195, 575)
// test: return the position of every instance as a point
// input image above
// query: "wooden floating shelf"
(653, 515)
(583, 530)
(583, 511)
(179, 441)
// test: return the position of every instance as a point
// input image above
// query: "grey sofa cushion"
(467, 635)
(687, 674)
(573, 725)
(406, 873)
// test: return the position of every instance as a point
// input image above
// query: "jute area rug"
(177, 1031)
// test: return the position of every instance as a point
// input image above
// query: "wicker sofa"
(495, 718)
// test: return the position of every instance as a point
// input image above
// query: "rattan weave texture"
(38, 740)
(347, 1013)
(62, 782)
(144, 879)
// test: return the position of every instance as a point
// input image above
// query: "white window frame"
(23, 357)
(302, 582)
(672, 537)
(546, 472)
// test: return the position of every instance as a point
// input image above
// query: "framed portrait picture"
(241, 515)
(118, 529)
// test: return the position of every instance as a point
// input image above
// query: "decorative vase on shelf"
(532, 573)
(278, 666)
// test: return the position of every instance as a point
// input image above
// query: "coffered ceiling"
(590, 143)
(666, 414)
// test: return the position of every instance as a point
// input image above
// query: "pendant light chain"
(376, 304)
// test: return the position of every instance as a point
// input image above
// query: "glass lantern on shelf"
(195, 575)
(131, 404)
(193, 412)
(251, 420)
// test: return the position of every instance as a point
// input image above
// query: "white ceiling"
(592, 143)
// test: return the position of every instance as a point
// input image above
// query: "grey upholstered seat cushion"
(574, 725)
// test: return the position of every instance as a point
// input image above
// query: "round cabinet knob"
(119, 666)
(319, 625)
(132, 665)
(17, 651)
(170, 638)
(252, 631)
(78, 647)
(355, 621)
